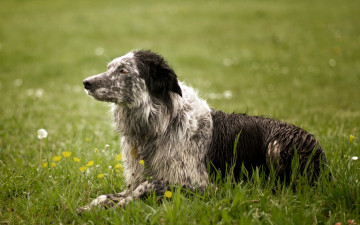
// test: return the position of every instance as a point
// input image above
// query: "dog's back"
(262, 142)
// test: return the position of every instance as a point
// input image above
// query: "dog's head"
(134, 77)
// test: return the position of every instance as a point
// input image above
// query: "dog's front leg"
(108, 200)
(123, 198)
(144, 189)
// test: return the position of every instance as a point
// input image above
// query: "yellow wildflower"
(56, 158)
(117, 166)
(90, 163)
(66, 154)
(83, 168)
(351, 137)
(76, 159)
(168, 194)
(44, 165)
(101, 175)
(87, 140)
(118, 157)
(96, 150)
(141, 162)
(53, 165)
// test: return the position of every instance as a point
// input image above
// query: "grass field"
(297, 61)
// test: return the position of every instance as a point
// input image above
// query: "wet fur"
(163, 122)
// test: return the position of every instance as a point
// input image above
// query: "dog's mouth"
(91, 89)
(100, 94)
(95, 89)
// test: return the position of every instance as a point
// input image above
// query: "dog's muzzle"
(93, 82)
(87, 84)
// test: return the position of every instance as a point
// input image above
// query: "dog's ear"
(164, 80)
(159, 77)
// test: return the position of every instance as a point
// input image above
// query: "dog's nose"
(87, 84)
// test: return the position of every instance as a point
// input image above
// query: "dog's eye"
(124, 71)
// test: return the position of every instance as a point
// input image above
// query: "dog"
(180, 139)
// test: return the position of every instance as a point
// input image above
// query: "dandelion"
(56, 158)
(351, 137)
(41, 134)
(90, 163)
(18, 82)
(45, 165)
(354, 158)
(76, 159)
(99, 51)
(117, 166)
(53, 165)
(141, 162)
(83, 168)
(118, 157)
(227, 94)
(87, 140)
(332, 62)
(168, 194)
(100, 176)
(66, 154)
(39, 93)
(30, 92)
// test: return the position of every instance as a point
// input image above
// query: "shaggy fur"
(166, 124)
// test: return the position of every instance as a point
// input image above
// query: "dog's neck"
(145, 120)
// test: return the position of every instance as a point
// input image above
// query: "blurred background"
(298, 61)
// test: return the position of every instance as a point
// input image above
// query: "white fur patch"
(99, 200)
(273, 153)
(118, 61)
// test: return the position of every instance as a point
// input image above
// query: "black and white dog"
(164, 123)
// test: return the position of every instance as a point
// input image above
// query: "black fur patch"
(250, 150)
(159, 77)
(256, 133)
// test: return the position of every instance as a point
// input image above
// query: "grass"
(295, 61)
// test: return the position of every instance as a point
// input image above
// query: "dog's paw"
(125, 201)
(99, 201)
(80, 210)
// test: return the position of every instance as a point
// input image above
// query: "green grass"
(297, 61)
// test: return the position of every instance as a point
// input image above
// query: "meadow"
(296, 61)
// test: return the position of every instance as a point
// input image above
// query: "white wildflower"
(214, 96)
(227, 94)
(39, 93)
(355, 158)
(227, 62)
(42, 133)
(30, 92)
(99, 51)
(332, 62)
(18, 82)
